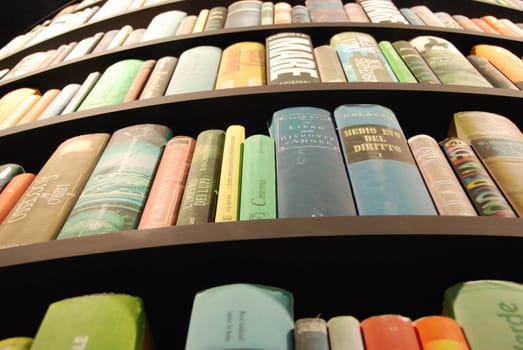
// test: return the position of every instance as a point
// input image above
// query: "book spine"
(491, 73)
(242, 64)
(82, 92)
(282, 13)
(411, 16)
(498, 25)
(300, 14)
(134, 37)
(382, 11)
(440, 333)
(13, 191)
(311, 334)
(186, 25)
(58, 104)
(416, 63)
(105, 41)
(389, 331)
(267, 13)
(39, 106)
(141, 78)
(345, 333)
(243, 13)
(18, 113)
(400, 69)
(157, 83)
(466, 23)
(355, 13)
(448, 20)
(201, 19)
(216, 19)
(120, 37)
(329, 65)
(427, 16)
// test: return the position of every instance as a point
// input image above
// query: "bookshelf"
(361, 266)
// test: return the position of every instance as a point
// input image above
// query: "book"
(499, 26)
(109, 321)
(382, 11)
(513, 26)
(27, 64)
(12, 192)
(53, 192)
(495, 324)
(241, 316)
(82, 92)
(201, 187)
(14, 117)
(228, 202)
(445, 189)
(196, 70)
(282, 12)
(267, 13)
(63, 51)
(84, 47)
(120, 37)
(163, 25)
(242, 64)
(355, 13)
(310, 333)
(258, 179)
(216, 18)
(16, 343)
(427, 16)
(329, 65)
(498, 142)
(439, 332)
(483, 192)
(115, 193)
(411, 16)
(326, 11)
(466, 23)
(345, 333)
(416, 63)
(447, 20)
(109, 9)
(361, 58)
(311, 176)
(10, 101)
(396, 63)
(201, 19)
(300, 14)
(491, 73)
(104, 42)
(384, 176)
(8, 171)
(61, 100)
(484, 26)
(161, 74)
(290, 59)
(113, 84)
(389, 331)
(45, 99)
(504, 60)
(134, 37)
(140, 80)
(163, 202)
(186, 25)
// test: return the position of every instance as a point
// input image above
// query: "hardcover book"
(355, 13)
(345, 333)
(466, 23)
(18, 113)
(506, 61)
(242, 64)
(438, 332)
(201, 20)
(300, 14)
(82, 92)
(499, 26)
(416, 63)
(411, 16)
(61, 100)
(329, 65)
(396, 63)
(311, 334)
(7, 172)
(243, 13)
(311, 176)
(157, 82)
(40, 105)
(241, 316)
(267, 13)
(484, 26)
(12, 192)
(163, 25)
(139, 80)
(447, 20)
(282, 12)
(491, 73)
(322, 11)
(384, 176)
(134, 37)
(389, 331)
(427, 16)
(105, 41)
(382, 11)
(120, 37)
(187, 25)
(84, 47)
(216, 19)
(10, 101)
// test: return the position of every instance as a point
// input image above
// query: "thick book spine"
(400, 69)
(13, 191)
(311, 334)
(440, 333)
(243, 13)
(242, 64)
(18, 113)
(163, 202)
(311, 176)
(282, 12)
(355, 13)
(228, 204)
(53, 192)
(491, 73)
(187, 25)
(448, 20)
(382, 11)
(475, 179)
(290, 59)
(427, 16)
(466, 23)
(115, 194)
(384, 176)
(11, 100)
(329, 65)
(216, 19)
(416, 63)
(345, 333)
(201, 188)
(411, 16)
(258, 179)
(140, 79)
(300, 14)
(389, 331)
(157, 83)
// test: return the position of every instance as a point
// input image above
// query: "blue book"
(384, 176)
(411, 16)
(311, 176)
(241, 316)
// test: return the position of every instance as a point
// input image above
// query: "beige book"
(199, 25)
(242, 64)
(329, 64)
(187, 25)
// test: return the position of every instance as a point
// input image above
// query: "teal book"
(490, 312)
(361, 58)
(311, 176)
(196, 70)
(116, 191)
(95, 321)
(400, 69)
(384, 175)
(241, 316)
(258, 179)
(201, 187)
(113, 84)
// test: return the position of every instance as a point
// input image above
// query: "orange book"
(13, 191)
(487, 28)
(498, 25)
(139, 81)
(390, 331)
(504, 60)
(10, 101)
(23, 107)
(39, 106)
(440, 333)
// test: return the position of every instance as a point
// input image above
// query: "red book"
(389, 332)
(440, 333)
(139, 81)
(14, 189)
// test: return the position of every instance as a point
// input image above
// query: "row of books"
(353, 161)
(244, 13)
(476, 315)
(515, 4)
(285, 58)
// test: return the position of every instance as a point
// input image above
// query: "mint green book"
(258, 183)
(94, 322)
(242, 316)
(398, 66)
(489, 311)
(115, 193)
(113, 84)
(16, 343)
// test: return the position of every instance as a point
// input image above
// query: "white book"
(110, 8)
(82, 92)
(120, 37)
(448, 20)
(345, 333)
(163, 25)
(60, 101)
(84, 47)
(427, 16)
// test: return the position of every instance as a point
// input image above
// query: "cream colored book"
(242, 64)
(17, 114)
(10, 101)
(199, 25)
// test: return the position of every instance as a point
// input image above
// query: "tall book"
(59, 103)
(228, 203)
(506, 61)
(82, 92)
(396, 63)
(267, 13)
(243, 13)
(84, 47)
(495, 324)
(382, 11)
(104, 42)
(113, 84)
(8, 171)
(345, 333)
(258, 179)
(447, 62)
(12, 192)
(384, 176)
(484, 193)
(311, 333)
(242, 64)
(440, 332)
(134, 37)
(446, 190)
(16, 343)
(329, 65)
(109, 321)
(241, 316)
(491, 73)
(389, 331)
(361, 58)
(321, 11)
(163, 202)
(201, 188)
(159, 78)
(311, 176)
(32, 114)
(498, 142)
(416, 63)
(290, 59)
(140, 80)
(163, 25)
(216, 19)
(196, 70)
(53, 192)
(114, 195)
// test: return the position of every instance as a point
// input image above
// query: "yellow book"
(201, 20)
(10, 101)
(18, 113)
(228, 203)
(242, 64)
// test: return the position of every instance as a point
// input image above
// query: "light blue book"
(384, 176)
(242, 316)
(59, 103)
(196, 70)
(411, 16)
(163, 25)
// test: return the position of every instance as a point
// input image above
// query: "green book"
(489, 311)
(113, 84)
(241, 316)
(415, 62)
(258, 183)
(94, 322)
(201, 187)
(398, 66)
(115, 194)
(16, 343)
